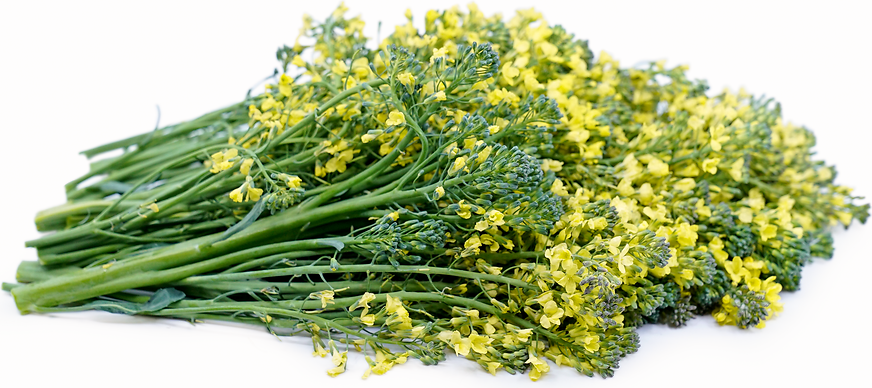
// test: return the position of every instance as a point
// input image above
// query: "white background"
(75, 75)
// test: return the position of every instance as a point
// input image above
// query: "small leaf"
(159, 300)
(115, 307)
(339, 245)
(162, 298)
(249, 218)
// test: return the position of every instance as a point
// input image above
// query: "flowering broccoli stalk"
(515, 201)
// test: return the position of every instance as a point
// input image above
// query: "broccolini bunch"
(483, 186)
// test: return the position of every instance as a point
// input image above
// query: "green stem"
(94, 282)
(367, 268)
(173, 131)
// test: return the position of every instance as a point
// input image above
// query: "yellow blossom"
(540, 367)
(717, 137)
(687, 234)
(246, 192)
(339, 67)
(245, 167)
(685, 184)
(325, 296)
(284, 85)
(710, 165)
(657, 168)
(363, 301)
(768, 231)
(502, 95)
(396, 118)
(223, 160)
(736, 169)
(551, 314)
(552, 165)
(458, 165)
(463, 210)
(479, 343)
(406, 78)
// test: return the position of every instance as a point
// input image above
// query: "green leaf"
(115, 306)
(158, 301)
(249, 218)
(162, 298)
(339, 245)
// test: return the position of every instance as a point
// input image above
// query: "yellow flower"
(745, 215)
(736, 169)
(339, 359)
(393, 304)
(461, 345)
(717, 137)
(646, 193)
(493, 129)
(298, 61)
(493, 366)
(624, 260)
(479, 343)
(458, 165)
(363, 301)
(396, 118)
(695, 122)
(236, 195)
(500, 95)
(406, 78)
(246, 192)
(472, 244)
(558, 255)
(439, 96)
(339, 162)
(360, 67)
(320, 351)
(495, 217)
(438, 53)
(686, 274)
(552, 165)
(657, 168)
(366, 138)
(440, 192)
(540, 367)
(710, 165)
(222, 160)
(367, 319)
(245, 167)
(509, 73)
(325, 296)
(285, 83)
(735, 270)
(551, 314)
(339, 67)
(591, 343)
(463, 210)
(685, 184)
(687, 234)
(153, 207)
(293, 182)
(768, 231)
(568, 279)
